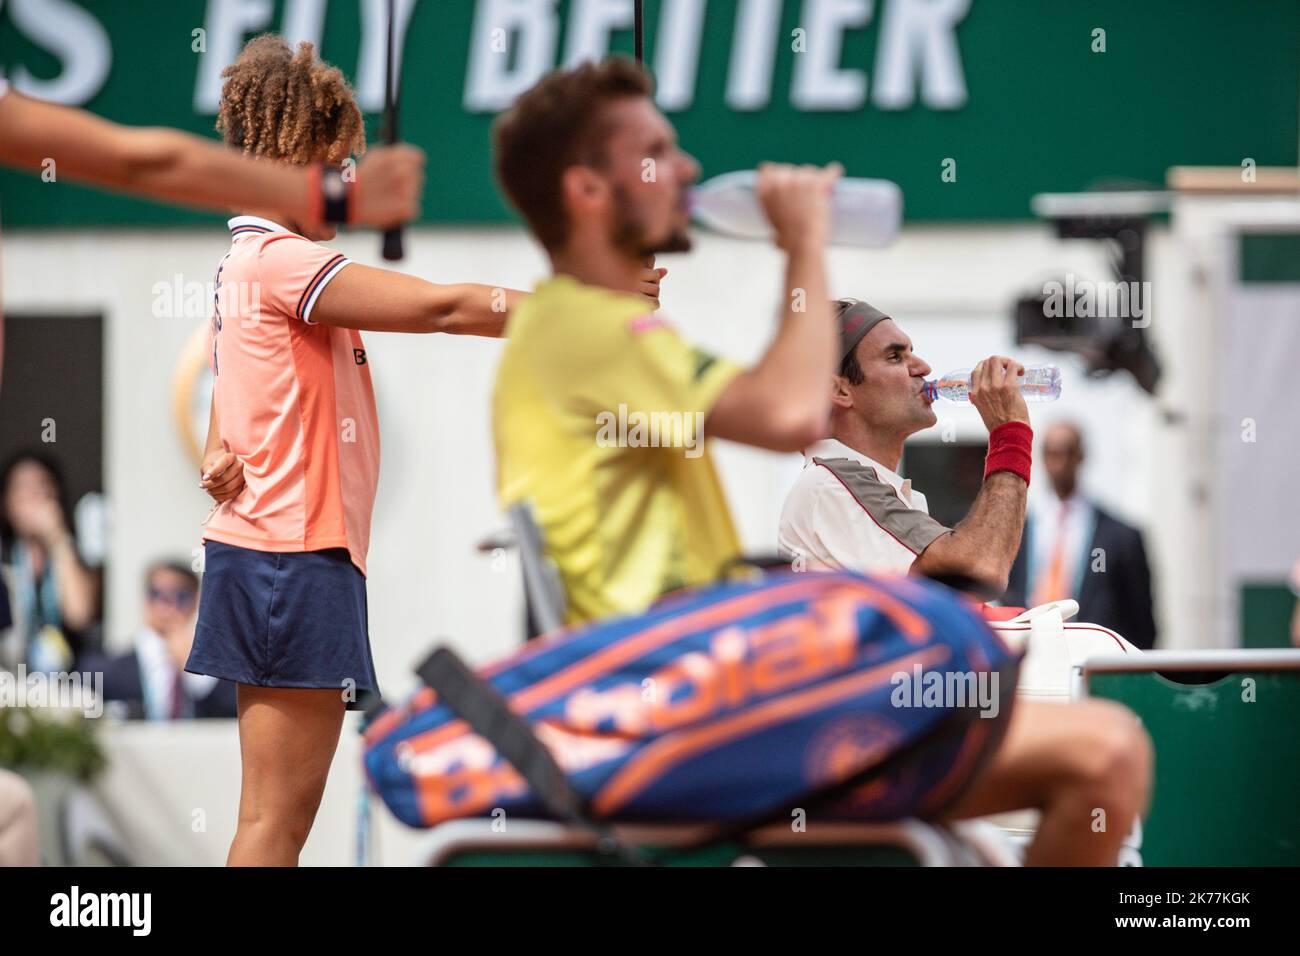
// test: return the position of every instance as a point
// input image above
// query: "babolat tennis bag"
(873, 698)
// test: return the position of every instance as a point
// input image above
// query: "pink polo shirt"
(294, 400)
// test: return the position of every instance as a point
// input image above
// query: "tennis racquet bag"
(732, 702)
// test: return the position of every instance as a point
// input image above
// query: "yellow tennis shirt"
(598, 413)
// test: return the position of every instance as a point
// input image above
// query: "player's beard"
(922, 418)
(897, 418)
(630, 233)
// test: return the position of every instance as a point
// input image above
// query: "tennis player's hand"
(995, 391)
(390, 180)
(650, 279)
(797, 202)
(222, 475)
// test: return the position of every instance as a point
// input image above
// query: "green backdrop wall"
(1037, 108)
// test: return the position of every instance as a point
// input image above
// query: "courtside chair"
(544, 601)
(88, 835)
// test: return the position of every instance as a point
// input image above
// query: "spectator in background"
(6, 615)
(55, 598)
(151, 678)
(1074, 549)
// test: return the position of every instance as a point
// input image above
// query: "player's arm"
(380, 300)
(221, 474)
(189, 170)
(983, 545)
(783, 402)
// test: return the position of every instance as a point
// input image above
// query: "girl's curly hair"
(289, 105)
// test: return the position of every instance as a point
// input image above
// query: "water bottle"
(864, 212)
(1040, 383)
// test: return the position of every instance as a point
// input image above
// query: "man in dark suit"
(150, 679)
(6, 615)
(1073, 549)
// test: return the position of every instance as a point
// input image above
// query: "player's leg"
(1073, 762)
(287, 739)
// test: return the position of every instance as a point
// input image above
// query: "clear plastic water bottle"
(864, 212)
(1041, 383)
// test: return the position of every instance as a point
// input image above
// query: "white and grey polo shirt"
(848, 511)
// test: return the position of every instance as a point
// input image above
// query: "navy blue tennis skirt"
(283, 619)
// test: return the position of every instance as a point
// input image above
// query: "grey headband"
(855, 319)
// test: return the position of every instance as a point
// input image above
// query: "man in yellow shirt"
(600, 408)
(598, 414)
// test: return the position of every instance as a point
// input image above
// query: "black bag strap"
(486, 711)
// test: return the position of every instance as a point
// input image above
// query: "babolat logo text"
(626, 429)
(947, 689)
(103, 909)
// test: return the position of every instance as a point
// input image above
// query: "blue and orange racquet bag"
(868, 697)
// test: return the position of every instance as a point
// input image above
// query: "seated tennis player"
(851, 509)
(631, 509)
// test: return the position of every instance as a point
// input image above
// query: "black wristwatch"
(336, 195)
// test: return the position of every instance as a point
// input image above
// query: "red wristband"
(315, 196)
(1010, 448)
